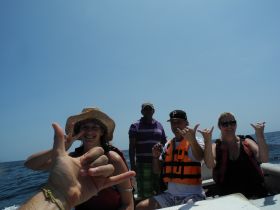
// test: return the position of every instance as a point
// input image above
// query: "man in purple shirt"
(143, 135)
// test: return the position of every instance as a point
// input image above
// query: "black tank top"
(240, 175)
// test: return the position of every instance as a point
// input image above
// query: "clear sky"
(205, 57)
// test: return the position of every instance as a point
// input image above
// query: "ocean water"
(18, 183)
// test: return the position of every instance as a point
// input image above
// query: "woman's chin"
(90, 141)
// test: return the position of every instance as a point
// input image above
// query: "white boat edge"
(238, 201)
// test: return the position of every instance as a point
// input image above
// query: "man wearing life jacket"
(236, 159)
(179, 162)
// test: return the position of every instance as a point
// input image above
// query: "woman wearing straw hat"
(94, 128)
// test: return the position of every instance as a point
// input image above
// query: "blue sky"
(205, 57)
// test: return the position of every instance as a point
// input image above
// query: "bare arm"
(42, 160)
(156, 151)
(261, 150)
(132, 147)
(189, 134)
(125, 188)
(209, 157)
(38, 201)
(197, 151)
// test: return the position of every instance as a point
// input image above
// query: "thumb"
(253, 125)
(58, 144)
(195, 127)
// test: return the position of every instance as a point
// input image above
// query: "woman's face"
(227, 125)
(92, 133)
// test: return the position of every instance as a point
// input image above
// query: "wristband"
(126, 189)
(50, 197)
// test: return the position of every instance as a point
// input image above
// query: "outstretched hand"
(156, 150)
(207, 134)
(69, 138)
(258, 127)
(78, 179)
(188, 133)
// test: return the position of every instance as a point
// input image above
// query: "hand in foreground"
(188, 133)
(207, 134)
(75, 180)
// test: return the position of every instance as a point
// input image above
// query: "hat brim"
(177, 119)
(92, 113)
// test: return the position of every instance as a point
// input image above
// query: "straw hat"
(92, 113)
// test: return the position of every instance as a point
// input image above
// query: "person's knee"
(147, 204)
(142, 205)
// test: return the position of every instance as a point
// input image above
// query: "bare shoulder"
(114, 157)
(117, 161)
(250, 142)
(252, 145)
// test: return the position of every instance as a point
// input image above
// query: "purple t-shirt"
(146, 135)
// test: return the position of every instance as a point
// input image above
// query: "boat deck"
(238, 201)
(268, 203)
(232, 202)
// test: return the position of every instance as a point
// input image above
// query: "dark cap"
(144, 105)
(178, 114)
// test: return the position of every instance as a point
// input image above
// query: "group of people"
(168, 173)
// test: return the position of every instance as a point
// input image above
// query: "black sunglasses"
(228, 123)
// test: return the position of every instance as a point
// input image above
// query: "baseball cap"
(144, 105)
(178, 114)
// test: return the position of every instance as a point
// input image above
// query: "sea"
(18, 183)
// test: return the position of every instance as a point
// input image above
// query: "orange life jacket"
(178, 167)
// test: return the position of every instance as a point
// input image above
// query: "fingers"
(78, 135)
(58, 146)
(114, 180)
(95, 163)
(206, 131)
(70, 137)
(157, 146)
(187, 130)
(261, 123)
(103, 170)
(102, 160)
(253, 125)
(180, 131)
(92, 155)
(258, 125)
(195, 127)
(157, 150)
(71, 129)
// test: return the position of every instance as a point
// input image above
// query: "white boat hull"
(238, 201)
